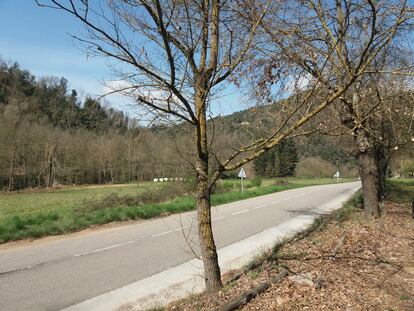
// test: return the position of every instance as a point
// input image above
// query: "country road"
(54, 273)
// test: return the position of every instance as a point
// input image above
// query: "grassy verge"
(41, 213)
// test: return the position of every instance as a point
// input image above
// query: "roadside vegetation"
(32, 214)
(329, 263)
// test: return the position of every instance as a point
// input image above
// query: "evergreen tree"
(279, 161)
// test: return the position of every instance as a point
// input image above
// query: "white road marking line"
(277, 201)
(240, 212)
(218, 218)
(162, 233)
(103, 249)
(260, 206)
(181, 228)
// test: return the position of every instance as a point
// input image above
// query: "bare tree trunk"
(382, 162)
(11, 172)
(212, 275)
(382, 176)
(49, 174)
(368, 171)
(370, 182)
(99, 174)
(129, 160)
(26, 178)
(111, 174)
(49, 165)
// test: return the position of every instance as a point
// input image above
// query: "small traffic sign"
(242, 173)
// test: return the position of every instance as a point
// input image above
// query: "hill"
(49, 135)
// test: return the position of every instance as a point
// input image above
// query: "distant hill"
(48, 100)
(48, 136)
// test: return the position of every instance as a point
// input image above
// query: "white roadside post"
(337, 176)
(242, 175)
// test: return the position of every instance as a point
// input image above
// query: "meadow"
(43, 212)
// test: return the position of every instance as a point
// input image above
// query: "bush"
(224, 186)
(229, 175)
(280, 182)
(167, 192)
(257, 181)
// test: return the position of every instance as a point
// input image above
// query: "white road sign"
(242, 173)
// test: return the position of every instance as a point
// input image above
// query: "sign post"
(242, 175)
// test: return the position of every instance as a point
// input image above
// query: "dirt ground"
(346, 263)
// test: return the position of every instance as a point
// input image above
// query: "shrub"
(224, 186)
(167, 192)
(257, 181)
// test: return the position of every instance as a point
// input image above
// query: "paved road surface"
(54, 273)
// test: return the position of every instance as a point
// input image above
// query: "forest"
(49, 137)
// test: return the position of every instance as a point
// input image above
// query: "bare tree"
(172, 57)
(386, 111)
(339, 44)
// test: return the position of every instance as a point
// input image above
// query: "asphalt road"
(54, 273)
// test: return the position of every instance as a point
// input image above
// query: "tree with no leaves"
(173, 56)
(340, 44)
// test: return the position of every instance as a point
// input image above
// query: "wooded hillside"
(49, 135)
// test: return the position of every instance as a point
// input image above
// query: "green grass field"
(32, 214)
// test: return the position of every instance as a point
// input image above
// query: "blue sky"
(37, 38)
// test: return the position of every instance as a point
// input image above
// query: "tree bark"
(368, 171)
(382, 161)
(212, 274)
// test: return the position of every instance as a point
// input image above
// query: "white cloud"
(116, 86)
(298, 83)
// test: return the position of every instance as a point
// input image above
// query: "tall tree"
(176, 55)
(339, 44)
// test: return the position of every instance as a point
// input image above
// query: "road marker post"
(242, 175)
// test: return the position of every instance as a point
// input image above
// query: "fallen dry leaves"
(373, 269)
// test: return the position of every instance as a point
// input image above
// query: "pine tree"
(279, 161)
